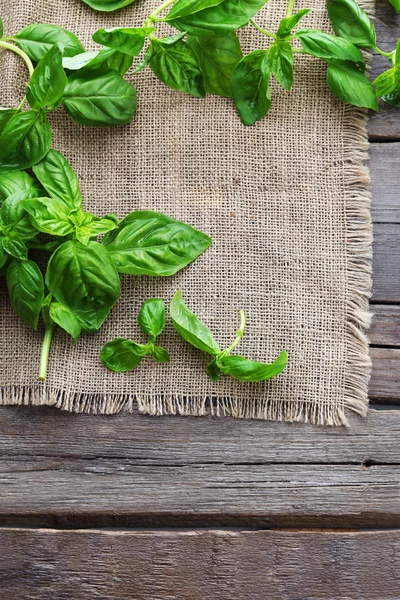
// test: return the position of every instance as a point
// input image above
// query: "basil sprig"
(121, 355)
(196, 333)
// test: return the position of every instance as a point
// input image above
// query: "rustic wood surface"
(70, 471)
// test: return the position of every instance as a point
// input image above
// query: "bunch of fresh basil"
(81, 282)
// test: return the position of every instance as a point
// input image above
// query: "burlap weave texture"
(286, 203)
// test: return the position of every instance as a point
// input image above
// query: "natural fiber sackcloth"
(286, 202)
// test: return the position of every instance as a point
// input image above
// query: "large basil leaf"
(149, 243)
(152, 317)
(281, 63)
(85, 280)
(120, 356)
(12, 182)
(395, 4)
(328, 47)
(25, 140)
(107, 5)
(12, 213)
(351, 22)
(350, 85)
(288, 23)
(14, 245)
(226, 16)
(182, 8)
(107, 59)
(5, 116)
(176, 65)
(37, 39)
(26, 290)
(249, 84)
(59, 180)
(65, 319)
(47, 82)
(99, 99)
(218, 55)
(190, 328)
(248, 370)
(129, 40)
(49, 216)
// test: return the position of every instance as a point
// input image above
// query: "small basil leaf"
(24, 141)
(12, 182)
(99, 226)
(387, 82)
(281, 63)
(351, 22)
(190, 328)
(14, 245)
(13, 213)
(213, 371)
(107, 5)
(84, 279)
(152, 317)
(326, 46)
(37, 39)
(217, 55)
(249, 84)
(393, 98)
(26, 290)
(129, 40)
(119, 356)
(49, 216)
(107, 59)
(83, 234)
(99, 99)
(396, 58)
(150, 243)
(160, 354)
(47, 83)
(65, 319)
(248, 370)
(286, 25)
(182, 8)
(59, 180)
(5, 116)
(350, 85)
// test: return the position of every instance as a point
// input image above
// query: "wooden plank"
(199, 565)
(385, 329)
(384, 168)
(385, 380)
(77, 470)
(386, 265)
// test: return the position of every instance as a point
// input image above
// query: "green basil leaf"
(351, 22)
(190, 328)
(281, 63)
(248, 370)
(107, 5)
(37, 39)
(119, 356)
(3, 259)
(83, 234)
(213, 371)
(182, 8)
(12, 182)
(160, 354)
(59, 180)
(326, 46)
(226, 16)
(1, 27)
(99, 226)
(396, 60)
(286, 25)
(249, 84)
(14, 245)
(393, 98)
(395, 4)
(107, 59)
(24, 141)
(65, 319)
(149, 243)
(350, 85)
(84, 279)
(387, 82)
(129, 40)
(13, 213)
(218, 55)
(177, 66)
(152, 317)
(26, 290)
(49, 216)
(99, 99)
(5, 116)
(47, 83)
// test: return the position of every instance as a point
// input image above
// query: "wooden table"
(217, 509)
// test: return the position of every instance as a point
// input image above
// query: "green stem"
(382, 53)
(162, 7)
(290, 8)
(239, 333)
(264, 31)
(20, 53)
(44, 356)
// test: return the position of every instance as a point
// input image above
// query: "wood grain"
(384, 168)
(199, 565)
(386, 263)
(385, 328)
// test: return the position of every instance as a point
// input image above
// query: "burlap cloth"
(287, 205)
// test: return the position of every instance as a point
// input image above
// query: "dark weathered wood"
(385, 381)
(385, 329)
(199, 565)
(384, 167)
(386, 248)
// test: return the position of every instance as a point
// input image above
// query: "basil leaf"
(351, 22)
(393, 98)
(129, 40)
(190, 328)
(119, 356)
(213, 371)
(152, 317)
(83, 234)
(249, 84)
(13, 213)
(281, 63)
(387, 82)
(182, 8)
(3, 258)
(84, 279)
(326, 46)
(99, 226)
(1, 28)
(25, 140)
(217, 55)
(286, 25)
(12, 182)
(149, 243)
(47, 82)
(5, 116)
(26, 290)
(160, 354)
(248, 370)
(107, 5)
(37, 39)
(65, 319)
(99, 99)
(14, 246)
(49, 216)
(226, 16)
(350, 85)
(395, 4)
(107, 59)
(177, 66)
(59, 180)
